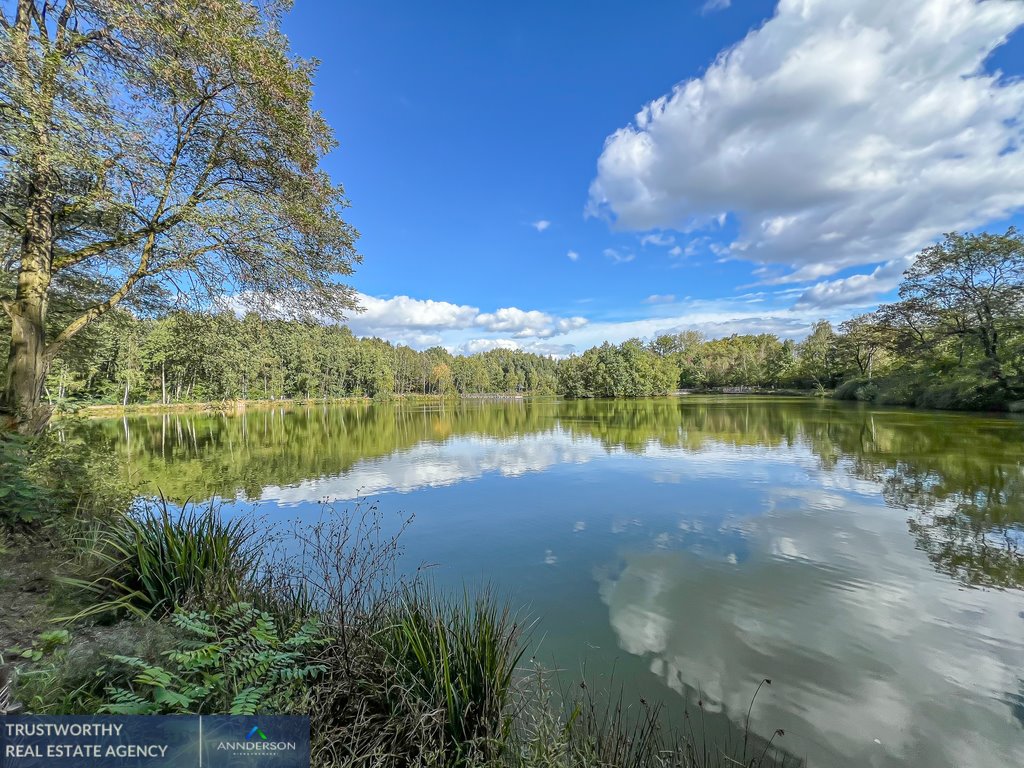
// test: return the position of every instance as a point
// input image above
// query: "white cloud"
(657, 238)
(406, 312)
(838, 135)
(855, 290)
(541, 225)
(658, 298)
(618, 257)
(425, 322)
(573, 256)
(522, 324)
(473, 346)
(677, 251)
(715, 5)
(535, 346)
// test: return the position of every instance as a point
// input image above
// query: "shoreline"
(111, 410)
(108, 410)
(229, 406)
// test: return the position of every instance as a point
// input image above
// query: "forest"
(954, 339)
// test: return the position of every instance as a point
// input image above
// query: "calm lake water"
(868, 561)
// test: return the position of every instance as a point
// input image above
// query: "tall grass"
(459, 658)
(587, 727)
(156, 559)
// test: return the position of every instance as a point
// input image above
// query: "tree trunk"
(27, 361)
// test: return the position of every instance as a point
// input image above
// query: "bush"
(153, 561)
(965, 395)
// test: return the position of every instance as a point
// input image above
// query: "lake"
(867, 560)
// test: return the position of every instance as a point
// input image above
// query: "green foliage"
(22, 499)
(57, 475)
(955, 339)
(234, 661)
(458, 658)
(627, 370)
(154, 560)
(44, 644)
(857, 389)
(173, 152)
(190, 357)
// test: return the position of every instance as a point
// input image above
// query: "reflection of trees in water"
(1016, 702)
(965, 493)
(959, 476)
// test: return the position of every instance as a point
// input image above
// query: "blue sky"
(550, 175)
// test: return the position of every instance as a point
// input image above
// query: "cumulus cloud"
(522, 324)
(838, 135)
(573, 256)
(473, 346)
(856, 289)
(406, 312)
(541, 225)
(420, 322)
(658, 298)
(546, 348)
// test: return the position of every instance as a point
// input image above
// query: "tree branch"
(98, 310)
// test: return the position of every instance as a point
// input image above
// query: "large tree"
(969, 288)
(167, 147)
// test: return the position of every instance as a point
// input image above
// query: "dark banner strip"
(202, 741)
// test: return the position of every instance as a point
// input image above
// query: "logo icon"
(256, 733)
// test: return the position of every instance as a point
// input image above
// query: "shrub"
(155, 560)
(960, 394)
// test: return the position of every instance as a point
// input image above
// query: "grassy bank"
(107, 410)
(151, 609)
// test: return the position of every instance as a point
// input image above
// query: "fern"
(237, 660)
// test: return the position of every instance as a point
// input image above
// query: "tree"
(861, 339)
(819, 360)
(970, 287)
(169, 145)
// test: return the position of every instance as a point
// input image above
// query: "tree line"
(188, 356)
(954, 339)
(192, 356)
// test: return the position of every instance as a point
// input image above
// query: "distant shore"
(227, 406)
(104, 410)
